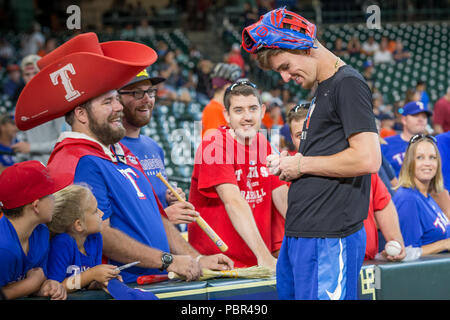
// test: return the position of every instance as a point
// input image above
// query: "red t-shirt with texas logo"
(221, 159)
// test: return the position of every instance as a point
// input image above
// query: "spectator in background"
(383, 55)
(204, 87)
(26, 200)
(368, 73)
(8, 132)
(400, 54)
(441, 115)
(272, 118)
(36, 143)
(386, 125)
(144, 30)
(235, 57)
(6, 52)
(422, 221)
(33, 42)
(354, 47)
(13, 83)
(370, 46)
(249, 13)
(421, 88)
(223, 75)
(339, 49)
(50, 45)
(414, 120)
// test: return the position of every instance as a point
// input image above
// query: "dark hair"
(240, 90)
(13, 213)
(70, 116)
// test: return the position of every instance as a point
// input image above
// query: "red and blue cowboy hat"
(77, 71)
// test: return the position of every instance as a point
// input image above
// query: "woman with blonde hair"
(422, 221)
(76, 244)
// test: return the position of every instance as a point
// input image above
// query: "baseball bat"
(153, 278)
(200, 221)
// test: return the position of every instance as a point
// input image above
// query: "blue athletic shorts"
(320, 268)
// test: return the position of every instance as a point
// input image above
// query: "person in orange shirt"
(222, 77)
(387, 122)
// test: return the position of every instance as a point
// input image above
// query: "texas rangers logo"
(63, 74)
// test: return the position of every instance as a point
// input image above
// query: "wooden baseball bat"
(200, 221)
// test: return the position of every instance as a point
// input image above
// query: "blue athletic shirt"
(65, 259)
(443, 143)
(394, 151)
(151, 157)
(125, 196)
(421, 220)
(14, 263)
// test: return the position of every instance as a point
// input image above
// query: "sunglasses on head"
(300, 107)
(240, 82)
(421, 136)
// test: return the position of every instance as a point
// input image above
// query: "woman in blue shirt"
(422, 222)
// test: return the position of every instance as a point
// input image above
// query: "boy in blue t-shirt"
(26, 199)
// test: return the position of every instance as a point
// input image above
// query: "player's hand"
(273, 164)
(181, 212)
(216, 262)
(171, 198)
(186, 267)
(53, 289)
(290, 167)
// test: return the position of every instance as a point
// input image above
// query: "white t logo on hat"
(71, 94)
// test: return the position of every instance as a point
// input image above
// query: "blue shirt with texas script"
(65, 259)
(421, 220)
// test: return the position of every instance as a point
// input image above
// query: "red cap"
(24, 182)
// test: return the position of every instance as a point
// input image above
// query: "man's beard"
(135, 120)
(104, 132)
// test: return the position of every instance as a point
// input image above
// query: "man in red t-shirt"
(382, 213)
(441, 115)
(231, 186)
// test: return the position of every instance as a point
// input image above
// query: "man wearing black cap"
(138, 99)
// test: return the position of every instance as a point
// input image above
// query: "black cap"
(144, 75)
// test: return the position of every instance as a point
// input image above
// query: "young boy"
(26, 199)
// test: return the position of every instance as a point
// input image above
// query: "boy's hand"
(53, 289)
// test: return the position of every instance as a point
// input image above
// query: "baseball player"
(324, 244)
